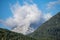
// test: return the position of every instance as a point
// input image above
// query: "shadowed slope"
(9, 35)
(50, 30)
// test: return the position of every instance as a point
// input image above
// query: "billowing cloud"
(52, 4)
(23, 16)
(47, 16)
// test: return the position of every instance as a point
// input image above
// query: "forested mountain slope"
(50, 30)
(9, 35)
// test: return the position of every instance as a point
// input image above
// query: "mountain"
(9, 35)
(50, 30)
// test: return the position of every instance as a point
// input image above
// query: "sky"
(25, 16)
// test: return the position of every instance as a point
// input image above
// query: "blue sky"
(5, 6)
(48, 9)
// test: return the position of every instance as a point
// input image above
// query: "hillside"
(9, 35)
(50, 30)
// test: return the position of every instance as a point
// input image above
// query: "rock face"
(9, 35)
(50, 30)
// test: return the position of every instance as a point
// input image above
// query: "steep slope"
(50, 30)
(9, 35)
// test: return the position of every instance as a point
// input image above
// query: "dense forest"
(9, 35)
(50, 30)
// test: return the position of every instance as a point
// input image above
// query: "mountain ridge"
(9, 35)
(50, 30)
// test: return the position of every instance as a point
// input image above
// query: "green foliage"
(9, 35)
(50, 30)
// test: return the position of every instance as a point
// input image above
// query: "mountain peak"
(9, 35)
(50, 30)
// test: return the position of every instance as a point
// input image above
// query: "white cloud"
(23, 16)
(47, 16)
(52, 4)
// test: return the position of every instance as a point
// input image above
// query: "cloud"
(24, 16)
(3, 22)
(52, 4)
(47, 16)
